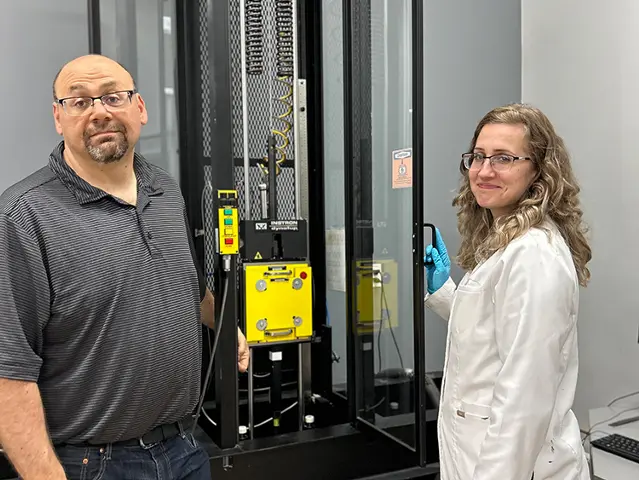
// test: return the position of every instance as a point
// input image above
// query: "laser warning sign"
(402, 168)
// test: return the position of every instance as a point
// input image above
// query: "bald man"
(101, 305)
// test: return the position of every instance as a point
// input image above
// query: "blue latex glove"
(437, 264)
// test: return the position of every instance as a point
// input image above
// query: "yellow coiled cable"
(285, 117)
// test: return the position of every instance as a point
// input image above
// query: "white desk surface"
(605, 465)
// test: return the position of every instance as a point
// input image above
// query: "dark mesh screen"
(268, 99)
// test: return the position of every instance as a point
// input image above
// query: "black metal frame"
(261, 458)
(95, 35)
(358, 202)
(417, 15)
(189, 94)
(222, 164)
(349, 213)
(310, 67)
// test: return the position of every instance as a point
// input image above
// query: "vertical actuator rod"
(264, 201)
(276, 386)
(272, 171)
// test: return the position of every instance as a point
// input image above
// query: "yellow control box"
(278, 301)
(377, 295)
(228, 222)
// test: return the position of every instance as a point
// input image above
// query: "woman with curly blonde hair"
(511, 361)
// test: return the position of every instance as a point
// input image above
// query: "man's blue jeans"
(177, 458)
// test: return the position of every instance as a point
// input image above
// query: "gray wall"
(140, 34)
(470, 68)
(580, 66)
(36, 38)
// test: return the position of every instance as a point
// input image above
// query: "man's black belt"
(156, 435)
(159, 433)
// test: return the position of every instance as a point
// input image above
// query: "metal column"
(95, 36)
(418, 229)
(222, 167)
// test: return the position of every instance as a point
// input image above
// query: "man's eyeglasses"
(78, 106)
(500, 162)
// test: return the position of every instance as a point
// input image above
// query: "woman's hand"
(437, 264)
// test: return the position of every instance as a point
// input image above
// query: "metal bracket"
(301, 152)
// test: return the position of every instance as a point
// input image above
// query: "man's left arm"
(207, 309)
(533, 318)
(207, 304)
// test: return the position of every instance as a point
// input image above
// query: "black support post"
(222, 168)
(310, 63)
(358, 215)
(95, 37)
(418, 228)
(349, 218)
(188, 97)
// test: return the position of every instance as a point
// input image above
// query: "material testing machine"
(252, 142)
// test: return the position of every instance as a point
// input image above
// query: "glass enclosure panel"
(333, 113)
(140, 35)
(375, 207)
(381, 200)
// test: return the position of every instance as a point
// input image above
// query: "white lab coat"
(511, 366)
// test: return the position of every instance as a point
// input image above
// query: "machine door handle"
(280, 333)
(286, 272)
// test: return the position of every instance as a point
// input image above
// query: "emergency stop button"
(228, 241)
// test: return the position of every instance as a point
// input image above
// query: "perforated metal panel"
(236, 76)
(204, 78)
(267, 97)
(266, 101)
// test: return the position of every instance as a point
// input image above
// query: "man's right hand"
(23, 432)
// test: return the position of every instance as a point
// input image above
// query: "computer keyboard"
(620, 445)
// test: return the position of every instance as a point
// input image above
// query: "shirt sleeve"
(200, 276)
(534, 317)
(24, 302)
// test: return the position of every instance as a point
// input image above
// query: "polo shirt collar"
(85, 192)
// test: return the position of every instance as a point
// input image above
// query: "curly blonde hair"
(553, 194)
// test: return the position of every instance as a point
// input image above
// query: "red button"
(303, 275)
(228, 241)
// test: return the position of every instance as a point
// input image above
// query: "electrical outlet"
(377, 275)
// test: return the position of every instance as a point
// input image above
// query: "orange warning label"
(403, 168)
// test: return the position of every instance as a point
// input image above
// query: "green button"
(228, 221)
(228, 211)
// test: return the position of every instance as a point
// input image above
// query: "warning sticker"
(258, 256)
(402, 168)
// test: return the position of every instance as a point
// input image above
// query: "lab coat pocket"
(473, 411)
(563, 456)
(472, 421)
(467, 308)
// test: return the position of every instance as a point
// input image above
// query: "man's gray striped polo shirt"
(100, 302)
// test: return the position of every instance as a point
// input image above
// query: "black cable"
(623, 397)
(379, 340)
(390, 327)
(591, 429)
(207, 378)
